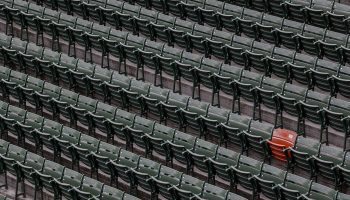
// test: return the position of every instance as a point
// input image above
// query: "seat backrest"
(149, 167)
(72, 178)
(261, 129)
(227, 156)
(169, 175)
(213, 192)
(192, 184)
(184, 139)
(205, 148)
(318, 191)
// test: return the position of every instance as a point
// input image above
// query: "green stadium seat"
(216, 44)
(60, 105)
(44, 98)
(266, 95)
(268, 180)
(9, 121)
(26, 171)
(28, 92)
(341, 82)
(76, 35)
(301, 154)
(213, 192)
(299, 68)
(44, 66)
(338, 19)
(318, 191)
(63, 143)
(196, 40)
(158, 139)
(61, 70)
(92, 10)
(60, 27)
(115, 126)
(123, 165)
(25, 129)
(256, 56)
(131, 97)
(286, 35)
(294, 10)
(166, 179)
(46, 176)
(259, 5)
(244, 172)
(142, 20)
(189, 9)
(294, 186)
(321, 75)
(199, 155)
(151, 100)
(266, 28)
(189, 115)
(179, 145)
(177, 33)
(188, 188)
(342, 196)
(277, 63)
(210, 123)
(308, 39)
(92, 40)
(29, 20)
(45, 135)
(331, 43)
(70, 179)
(229, 13)
(141, 175)
(3, 150)
(79, 112)
(246, 23)
(96, 83)
(315, 14)
(89, 189)
(124, 17)
(13, 12)
(169, 109)
(245, 87)
(111, 46)
(135, 134)
(326, 160)
(114, 87)
(111, 193)
(256, 138)
(208, 14)
(159, 28)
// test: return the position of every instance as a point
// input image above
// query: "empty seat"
(166, 179)
(190, 114)
(188, 187)
(179, 145)
(294, 186)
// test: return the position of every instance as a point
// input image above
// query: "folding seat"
(275, 7)
(256, 138)
(27, 62)
(98, 119)
(301, 155)
(12, 59)
(108, 12)
(44, 98)
(204, 77)
(81, 152)
(168, 109)
(29, 20)
(308, 39)
(189, 9)
(26, 171)
(179, 145)
(92, 9)
(213, 192)
(277, 63)
(70, 179)
(321, 75)
(63, 143)
(60, 105)
(331, 44)
(196, 40)
(266, 95)
(96, 83)
(4, 75)
(79, 112)
(210, 123)
(3, 147)
(147, 58)
(223, 81)
(123, 165)
(28, 91)
(60, 27)
(131, 97)
(101, 159)
(208, 14)
(76, 35)
(286, 35)
(159, 27)
(310, 107)
(266, 28)
(232, 130)
(241, 3)
(116, 126)
(246, 23)
(89, 189)
(188, 188)
(9, 121)
(44, 65)
(298, 69)
(342, 172)
(44, 24)
(222, 163)
(124, 17)
(77, 8)
(288, 101)
(111, 46)
(134, 134)
(46, 176)
(178, 33)
(294, 9)
(199, 155)
(245, 87)
(151, 100)
(9, 163)
(13, 13)
(142, 21)
(61, 69)
(143, 175)
(341, 82)
(318, 191)
(236, 51)
(216, 44)
(173, 7)
(114, 87)
(338, 19)
(25, 129)
(255, 57)
(226, 18)
(342, 196)
(244, 172)
(77, 76)
(166, 179)
(294, 186)
(4, 42)
(157, 140)
(129, 50)
(3, 10)
(268, 180)
(44, 135)
(233, 196)
(315, 14)
(189, 115)
(92, 39)
(10, 87)
(111, 193)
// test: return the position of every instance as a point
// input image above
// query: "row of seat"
(313, 40)
(330, 14)
(57, 179)
(283, 97)
(307, 154)
(238, 169)
(286, 64)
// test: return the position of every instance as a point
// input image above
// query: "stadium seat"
(14, 115)
(89, 189)
(26, 59)
(25, 128)
(169, 109)
(188, 188)
(179, 145)
(44, 66)
(315, 14)
(342, 172)
(63, 143)
(142, 21)
(116, 126)
(236, 51)
(92, 39)
(208, 14)
(189, 9)
(151, 100)
(294, 186)
(44, 98)
(114, 87)
(265, 28)
(196, 39)
(159, 29)
(229, 13)
(177, 33)
(70, 179)
(189, 115)
(245, 24)
(216, 44)
(165, 180)
(256, 56)
(301, 154)
(277, 63)
(338, 19)
(286, 35)
(294, 9)
(318, 191)
(340, 82)
(308, 38)
(131, 96)
(321, 75)
(27, 93)
(45, 135)
(92, 10)
(330, 45)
